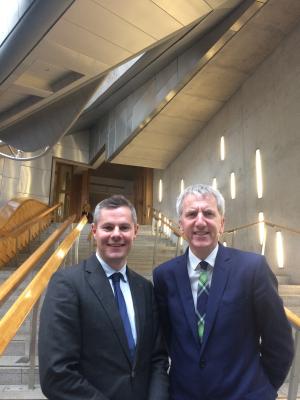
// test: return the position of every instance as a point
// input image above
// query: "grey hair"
(112, 202)
(204, 190)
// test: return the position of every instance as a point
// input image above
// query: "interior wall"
(263, 114)
(32, 178)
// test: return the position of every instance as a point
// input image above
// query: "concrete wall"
(264, 114)
(32, 178)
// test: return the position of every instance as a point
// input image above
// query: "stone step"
(14, 372)
(18, 392)
(283, 279)
(289, 290)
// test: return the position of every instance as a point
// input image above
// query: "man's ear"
(222, 226)
(94, 228)
(136, 228)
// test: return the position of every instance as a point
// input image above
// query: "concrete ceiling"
(91, 37)
(221, 72)
(94, 36)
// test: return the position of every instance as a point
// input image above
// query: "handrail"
(17, 231)
(17, 276)
(18, 312)
(271, 224)
(293, 318)
(19, 207)
(170, 223)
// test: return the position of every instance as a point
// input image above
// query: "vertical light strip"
(181, 186)
(261, 228)
(160, 191)
(232, 185)
(259, 180)
(214, 183)
(279, 249)
(222, 148)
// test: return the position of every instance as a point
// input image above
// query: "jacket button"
(202, 363)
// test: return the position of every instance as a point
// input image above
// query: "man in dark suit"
(99, 334)
(225, 326)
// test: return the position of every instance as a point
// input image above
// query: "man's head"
(201, 212)
(114, 228)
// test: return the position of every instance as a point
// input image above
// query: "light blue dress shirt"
(125, 290)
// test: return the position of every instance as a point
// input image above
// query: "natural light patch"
(111, 78)
(10, 13)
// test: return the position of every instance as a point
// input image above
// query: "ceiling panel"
(249, 48)
(138, 14)
(45, 71)
(87, 43)
(184, 11)
(63, 57)
(165, 124)
(105, 24)
(216, 82)
(191, 107)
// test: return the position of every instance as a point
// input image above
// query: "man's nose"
(115, 231)
(200, 219)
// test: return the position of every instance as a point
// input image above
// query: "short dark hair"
(112, 202)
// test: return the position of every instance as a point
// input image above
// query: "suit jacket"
(83, 350)
(247, 346)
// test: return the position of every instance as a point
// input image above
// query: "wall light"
(232, 185)
(259, 182)
(261, 228)
(214, 183)
(160, 191)
(279, 249)
(181, 186)
(222, 148)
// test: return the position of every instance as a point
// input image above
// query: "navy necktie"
(202, 296)
(116, 277)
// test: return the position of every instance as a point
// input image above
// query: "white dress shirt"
(125, 288)
(194, 269)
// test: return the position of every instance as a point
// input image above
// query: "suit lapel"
(100, 285)
(185, 293)
(220, 277)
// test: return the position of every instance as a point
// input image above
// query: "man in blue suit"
(225, 326)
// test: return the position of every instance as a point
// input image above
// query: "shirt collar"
(109, 270)
(211, 258)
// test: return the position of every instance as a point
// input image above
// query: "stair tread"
(15, 392)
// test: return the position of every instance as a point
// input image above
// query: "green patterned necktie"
(202, 296)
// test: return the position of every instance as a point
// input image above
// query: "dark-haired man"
(99, 333)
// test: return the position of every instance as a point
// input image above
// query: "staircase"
(14, 368)
(13, 365)
(141, 256)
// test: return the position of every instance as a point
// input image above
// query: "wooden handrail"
(17, 276)
(18, 312)
(17, 231)
(293, 318)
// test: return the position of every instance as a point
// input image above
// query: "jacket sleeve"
(159, 380)
(59, 344)
(276, 341)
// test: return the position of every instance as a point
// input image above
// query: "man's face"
(114, 235)
(201, 223)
